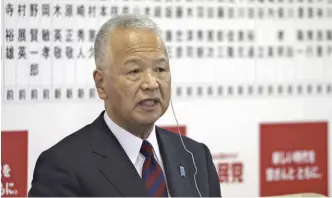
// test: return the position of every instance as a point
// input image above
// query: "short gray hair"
(101, 45)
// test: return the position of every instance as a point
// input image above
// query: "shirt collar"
(152, 138)
(131, 143)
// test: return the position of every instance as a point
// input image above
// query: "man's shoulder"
(72, 144)
(199, 149)
(176, 138)
(78, 141)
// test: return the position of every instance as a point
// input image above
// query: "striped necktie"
(152, 174)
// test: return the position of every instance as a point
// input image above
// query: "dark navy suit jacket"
(91, 162)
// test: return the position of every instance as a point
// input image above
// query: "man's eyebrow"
(132, 60)
(160, 59)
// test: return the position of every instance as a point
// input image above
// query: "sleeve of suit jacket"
(214, 184)
(52, 177)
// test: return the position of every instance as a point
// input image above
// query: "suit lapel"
(115, 166)
(174, 156)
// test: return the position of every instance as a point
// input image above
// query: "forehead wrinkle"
(140, 47)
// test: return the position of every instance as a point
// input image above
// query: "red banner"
(14, 163)
(293, 158)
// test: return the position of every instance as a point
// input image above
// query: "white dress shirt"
(132, 145)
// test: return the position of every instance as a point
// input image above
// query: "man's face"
(136, 85)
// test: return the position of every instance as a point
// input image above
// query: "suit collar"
(129, 142)
(121, 173)
(174, 156)
(115, 166)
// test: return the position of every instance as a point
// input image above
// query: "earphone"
(184, 146)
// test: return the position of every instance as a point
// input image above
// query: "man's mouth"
(149, 102)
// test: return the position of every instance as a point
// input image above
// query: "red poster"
(175, 129)
(14, 163)
(294, 158)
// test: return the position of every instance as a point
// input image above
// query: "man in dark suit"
(123, 153)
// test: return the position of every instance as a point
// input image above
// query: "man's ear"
(98, 77)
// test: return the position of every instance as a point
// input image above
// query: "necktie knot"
(147, 149)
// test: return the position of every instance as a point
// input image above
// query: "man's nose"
(149, 81)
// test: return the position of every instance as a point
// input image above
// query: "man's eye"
(135, 71)
(161, 69)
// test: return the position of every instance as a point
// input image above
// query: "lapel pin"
(182, 172)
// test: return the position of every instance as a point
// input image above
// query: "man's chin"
(147, 119)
